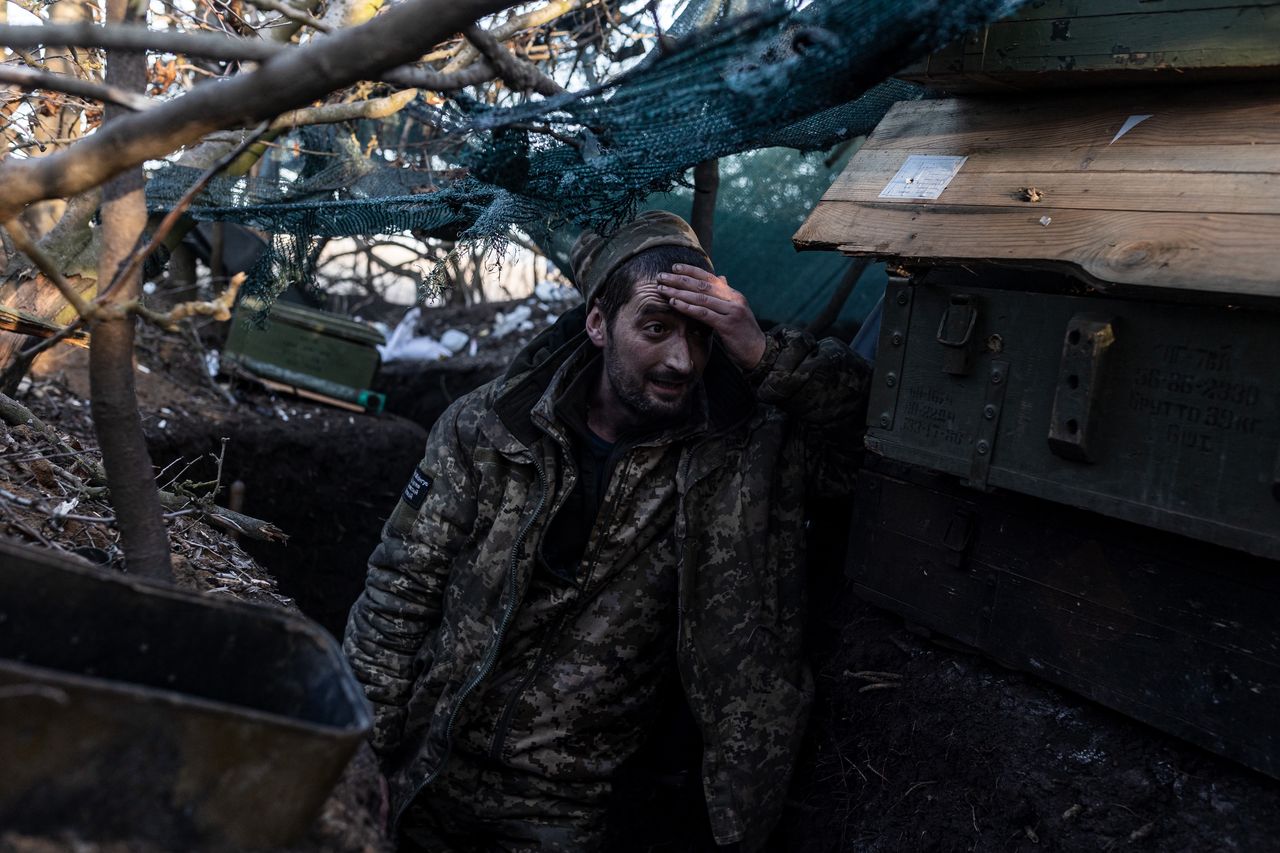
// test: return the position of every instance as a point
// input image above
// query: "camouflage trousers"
(479, 807)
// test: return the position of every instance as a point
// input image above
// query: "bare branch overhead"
(293, 13)
(332, 113)
(516, 24)
(30, 78)
(137, 37)
(293, 79)
(518, 74)
(439, 81)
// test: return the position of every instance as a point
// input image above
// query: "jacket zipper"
(504, 722)
(492, 655)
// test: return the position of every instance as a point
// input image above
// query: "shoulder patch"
(416, 492)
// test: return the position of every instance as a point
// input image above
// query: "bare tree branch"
(518, 74)
(515, 24)
(332, 113)
(136, 37)
(291, 80)
(30, 78)
(438, 81)
(293, 13)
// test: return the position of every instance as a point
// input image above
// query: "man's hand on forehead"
(709, 299)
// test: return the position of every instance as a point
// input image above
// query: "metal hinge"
(984, 444)
(1072, 425)
(892, 349)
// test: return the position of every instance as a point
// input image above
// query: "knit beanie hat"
(594, 258)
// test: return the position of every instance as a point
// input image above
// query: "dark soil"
(327, 477)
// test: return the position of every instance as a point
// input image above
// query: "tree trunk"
(116, 422)
(706, 186)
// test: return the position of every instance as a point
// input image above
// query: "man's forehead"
(654, 305)
(645, 299)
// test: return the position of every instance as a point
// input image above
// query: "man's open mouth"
(670, 386)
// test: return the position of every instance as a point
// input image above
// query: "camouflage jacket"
(457, 556)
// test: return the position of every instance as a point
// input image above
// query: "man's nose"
(678, 358)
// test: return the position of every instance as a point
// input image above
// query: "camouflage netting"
(739, 77)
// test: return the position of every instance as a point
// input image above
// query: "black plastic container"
(133, 710)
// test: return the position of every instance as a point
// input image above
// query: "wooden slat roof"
(1188, 198)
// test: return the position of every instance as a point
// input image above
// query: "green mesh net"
(741, 76)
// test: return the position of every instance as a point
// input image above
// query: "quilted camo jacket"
(458, 552)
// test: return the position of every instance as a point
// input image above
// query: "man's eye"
(655, 328)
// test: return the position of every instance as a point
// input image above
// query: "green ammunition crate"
(310, 349)
(1162, 413)
(1111, 42)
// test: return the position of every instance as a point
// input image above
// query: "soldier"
(624, 505)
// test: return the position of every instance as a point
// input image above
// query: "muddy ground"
(950, 753)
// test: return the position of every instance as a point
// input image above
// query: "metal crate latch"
(1073, 424)
(954, 331)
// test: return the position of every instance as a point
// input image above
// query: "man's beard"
(629, 389)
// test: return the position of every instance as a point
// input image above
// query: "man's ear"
(597, 326)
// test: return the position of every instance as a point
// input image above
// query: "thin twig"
(334, 113)
(517, 73)
(293, 13)
(138, 37)
(217, 480)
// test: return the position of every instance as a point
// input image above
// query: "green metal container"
(309, 349)
(1162, 413)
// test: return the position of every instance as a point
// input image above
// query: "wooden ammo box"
(1111, 42)
(1177, 633)
(1075, 416)
(309, 352)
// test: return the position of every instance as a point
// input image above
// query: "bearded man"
(623, 510)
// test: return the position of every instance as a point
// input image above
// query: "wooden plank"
(1187, 199)
(1241, 36)
(1000, 159)
(1232, 192)
(1225, 253)
(1240, 115)
(1080, 44)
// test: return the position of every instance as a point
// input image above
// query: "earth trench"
(956, 754)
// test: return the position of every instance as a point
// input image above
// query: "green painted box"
(306, 348)
(1162, 413)
(1068, 43)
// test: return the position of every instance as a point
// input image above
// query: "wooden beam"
(1230, 253)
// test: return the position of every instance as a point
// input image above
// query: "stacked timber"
(1081, 337)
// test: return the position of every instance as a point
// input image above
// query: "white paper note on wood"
(923, 176)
